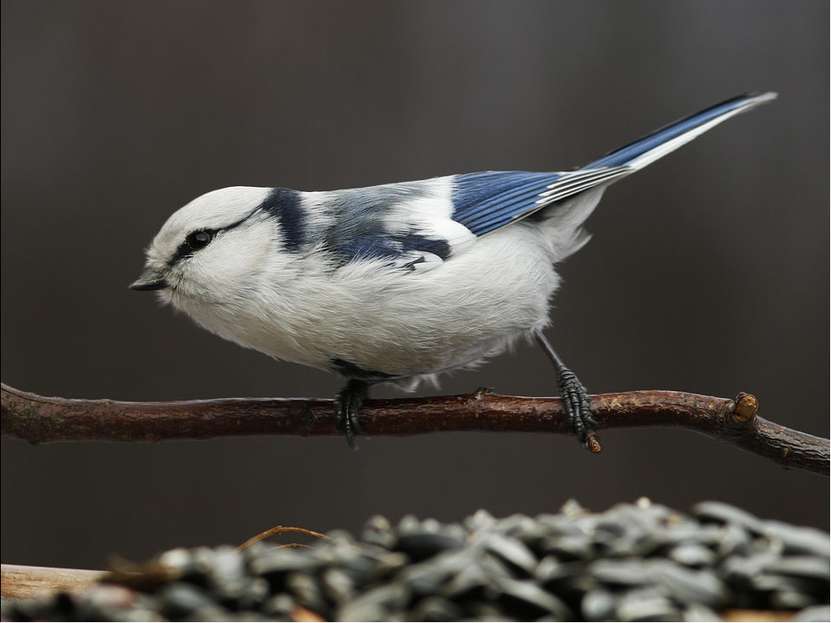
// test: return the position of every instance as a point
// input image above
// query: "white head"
(213, 249)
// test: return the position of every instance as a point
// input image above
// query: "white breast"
(392, 321)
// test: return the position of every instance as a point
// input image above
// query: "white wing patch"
(431, 216)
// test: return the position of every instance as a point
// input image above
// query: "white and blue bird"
(397, 282)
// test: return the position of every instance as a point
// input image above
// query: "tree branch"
(24, 582)
(39, 419)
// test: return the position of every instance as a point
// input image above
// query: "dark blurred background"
(708, 272)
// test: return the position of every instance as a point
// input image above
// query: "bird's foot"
(578, 406)
(347, 405)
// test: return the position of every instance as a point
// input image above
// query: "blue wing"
(481, 197)
(486, 201)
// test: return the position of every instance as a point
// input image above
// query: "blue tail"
(484, 202)
(669, 138)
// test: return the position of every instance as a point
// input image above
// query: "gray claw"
(578, 406)
(347, 406)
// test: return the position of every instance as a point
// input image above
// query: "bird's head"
(212, 249)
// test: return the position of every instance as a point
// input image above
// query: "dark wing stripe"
(396, 247)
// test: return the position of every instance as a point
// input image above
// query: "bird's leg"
(347, 404)
(575, 397)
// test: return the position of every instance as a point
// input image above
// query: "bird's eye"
(198, 239)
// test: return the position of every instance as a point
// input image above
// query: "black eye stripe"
(194, 241)
(200, 238)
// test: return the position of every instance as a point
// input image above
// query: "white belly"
(401, 324)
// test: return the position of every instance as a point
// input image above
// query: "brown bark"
(40, 419)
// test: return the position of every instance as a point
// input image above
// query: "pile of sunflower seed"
(634, 562)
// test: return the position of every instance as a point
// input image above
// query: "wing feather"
(403, 226)
(514, 195)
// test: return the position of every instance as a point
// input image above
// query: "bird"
(400, 282)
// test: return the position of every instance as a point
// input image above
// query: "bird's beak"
(150, 279)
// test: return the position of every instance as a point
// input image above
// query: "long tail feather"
(661, 142)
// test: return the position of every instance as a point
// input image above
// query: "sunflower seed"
(646, 605)
(816, 613)
(375, 604)
(725, 513)
(598, 605)
(692, 555)
(801, 566)
(638, 561)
